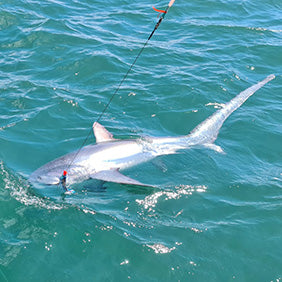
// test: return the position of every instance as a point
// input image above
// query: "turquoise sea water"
(214, 217)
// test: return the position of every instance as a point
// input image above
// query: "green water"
(214, 217)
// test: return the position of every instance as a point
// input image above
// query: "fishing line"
(162, 15)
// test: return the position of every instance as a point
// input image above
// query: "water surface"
(214, 217)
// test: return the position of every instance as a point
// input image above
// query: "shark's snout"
(48, 179)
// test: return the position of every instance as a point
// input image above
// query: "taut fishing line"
(162, 15)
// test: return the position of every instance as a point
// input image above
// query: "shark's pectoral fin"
(114, 175)
(101, 133)
(215, 148)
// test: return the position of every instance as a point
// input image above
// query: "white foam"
(150, 201)
(18, 188)
(160, 249)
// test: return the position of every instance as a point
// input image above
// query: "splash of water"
(151, 201)
(19, 190)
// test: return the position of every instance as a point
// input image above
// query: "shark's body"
(105, 159)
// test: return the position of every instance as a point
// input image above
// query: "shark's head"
(45, 176)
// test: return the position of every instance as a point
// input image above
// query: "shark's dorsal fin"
(113, 175)
(101, 133)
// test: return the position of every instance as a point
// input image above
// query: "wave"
(19, 189)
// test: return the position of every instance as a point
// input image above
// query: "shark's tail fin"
(207, 131)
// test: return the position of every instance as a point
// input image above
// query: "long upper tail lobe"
(207, 131)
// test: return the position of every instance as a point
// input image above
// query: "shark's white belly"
(121, 155)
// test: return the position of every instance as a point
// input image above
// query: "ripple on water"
(19, 190)
(151, 201)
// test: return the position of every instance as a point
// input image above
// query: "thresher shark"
(105, 159)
